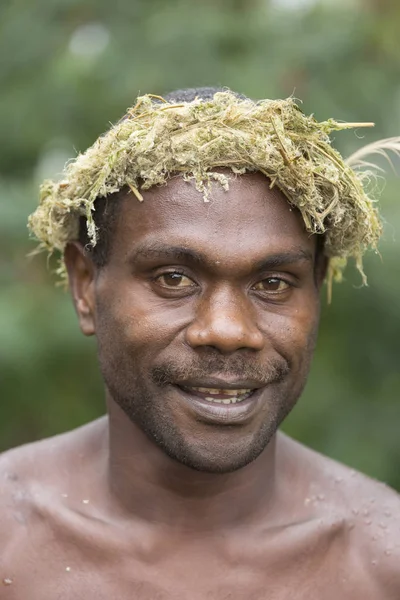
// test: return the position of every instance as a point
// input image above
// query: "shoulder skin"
(369, 512)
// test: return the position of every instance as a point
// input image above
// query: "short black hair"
(105, 217)
(204, 93)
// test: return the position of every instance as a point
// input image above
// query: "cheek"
(136, 324)
(294, 335)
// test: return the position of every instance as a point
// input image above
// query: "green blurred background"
(69, 67)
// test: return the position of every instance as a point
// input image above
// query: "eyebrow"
(284, 258)
(157, 251)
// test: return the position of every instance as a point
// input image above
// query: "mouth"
(219, 395)
(221, 406)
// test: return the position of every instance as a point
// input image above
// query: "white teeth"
(210, 394)
(211, 391)
(227, 400)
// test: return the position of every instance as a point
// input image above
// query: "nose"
(225, 321)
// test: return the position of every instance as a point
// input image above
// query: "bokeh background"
(70, 67)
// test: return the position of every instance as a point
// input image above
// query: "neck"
(148, 484)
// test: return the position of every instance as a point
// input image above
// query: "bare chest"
(239, 584)
(303, 564)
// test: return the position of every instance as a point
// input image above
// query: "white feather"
(381, 147)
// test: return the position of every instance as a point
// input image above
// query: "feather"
(382, 147)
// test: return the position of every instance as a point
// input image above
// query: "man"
(195, 236)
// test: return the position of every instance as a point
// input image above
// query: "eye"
(271, 284)
(175, 280)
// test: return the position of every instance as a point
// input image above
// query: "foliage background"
(69, 67)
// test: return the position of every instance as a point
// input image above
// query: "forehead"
(247, 220)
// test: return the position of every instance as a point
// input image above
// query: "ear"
(81, 272)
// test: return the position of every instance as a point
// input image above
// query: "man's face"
(206, 317)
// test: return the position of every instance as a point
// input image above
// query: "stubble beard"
(145, 408)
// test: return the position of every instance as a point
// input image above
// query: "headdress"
(158, 139)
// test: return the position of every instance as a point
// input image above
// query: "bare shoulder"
(369, 513)
(375, 522)
(33, 474)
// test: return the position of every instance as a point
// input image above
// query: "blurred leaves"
(69, 67)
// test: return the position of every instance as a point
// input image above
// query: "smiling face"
(206, 317)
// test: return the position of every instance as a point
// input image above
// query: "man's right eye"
(175, 280)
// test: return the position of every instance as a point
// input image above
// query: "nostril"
(225, 336)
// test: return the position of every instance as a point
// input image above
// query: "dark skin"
(173, 495)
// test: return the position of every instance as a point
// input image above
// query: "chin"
(226, 458)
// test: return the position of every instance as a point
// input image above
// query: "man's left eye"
(271, 284)
(175, 280)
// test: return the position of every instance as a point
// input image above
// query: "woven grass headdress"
(158, 139)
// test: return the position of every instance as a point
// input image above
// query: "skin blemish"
(19, 518)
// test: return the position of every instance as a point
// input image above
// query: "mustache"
(273, 371)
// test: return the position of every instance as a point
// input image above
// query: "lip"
(222, 414)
